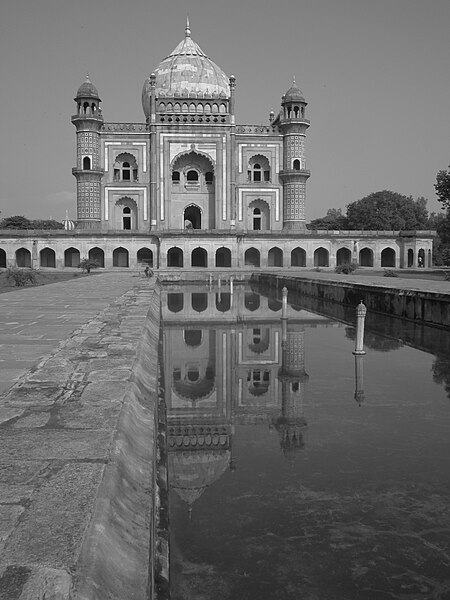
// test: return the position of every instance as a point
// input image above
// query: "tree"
(47, 224)
(442, 187)
(387, 210)
(16, 222)
(334, 219)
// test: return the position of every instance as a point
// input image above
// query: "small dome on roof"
(294, 94)
(87, 89)
(69, 225)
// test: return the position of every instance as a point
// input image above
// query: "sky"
(375, 74)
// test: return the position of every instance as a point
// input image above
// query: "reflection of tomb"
(228, 359)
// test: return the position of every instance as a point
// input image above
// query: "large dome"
(187, 72)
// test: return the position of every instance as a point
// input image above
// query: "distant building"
(190, 188)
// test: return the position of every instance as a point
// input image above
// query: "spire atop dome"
(187, 31)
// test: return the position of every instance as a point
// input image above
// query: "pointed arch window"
(258, 169)
(125, 168)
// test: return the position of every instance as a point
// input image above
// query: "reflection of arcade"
(228, 360)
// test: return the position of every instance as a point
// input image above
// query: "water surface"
(296, 469)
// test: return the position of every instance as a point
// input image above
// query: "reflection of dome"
(187, 72)
(87, 89)
(190, 473)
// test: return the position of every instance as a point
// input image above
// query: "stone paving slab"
(64, 372)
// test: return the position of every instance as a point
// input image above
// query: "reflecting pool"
(297, 470)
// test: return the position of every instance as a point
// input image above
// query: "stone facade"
(191, 188)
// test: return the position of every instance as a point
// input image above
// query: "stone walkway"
(66, 356)
(34, 320)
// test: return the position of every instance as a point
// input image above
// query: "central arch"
(321, 257)
(192, 217)
(252, 257)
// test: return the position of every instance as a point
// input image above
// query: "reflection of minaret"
(293, 377)
(359, 379)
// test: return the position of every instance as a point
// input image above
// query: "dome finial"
(293, 81)
(87, 77)
(188, 29)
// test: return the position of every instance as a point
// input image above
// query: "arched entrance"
(120, 257)
(275, 257)
(298, 257)
(421, 258)
(199, 258)
(321, 257)
(145, 255)
(410, 257)
(47, 258)
(97, 256)
(343, 256)
(23, 258)
(223, 257)
(252, 257)
(175, 257)
(192, 217)
(388, 257)
(2, 259)
(71, 257)
(366, 257)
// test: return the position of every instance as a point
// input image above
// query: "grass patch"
(40, 278)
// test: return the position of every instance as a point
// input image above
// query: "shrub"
(390, 273)
(346, 268)
(86, 265)
(21, 277)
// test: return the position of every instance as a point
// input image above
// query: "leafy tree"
(334, 219)
(47, 224)
(442, 187)
(387, 210)
(16, 222)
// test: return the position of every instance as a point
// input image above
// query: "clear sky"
(375, 74)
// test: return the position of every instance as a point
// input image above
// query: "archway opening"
(47, 258)
(275, 257)
(252, 301)
(97, 256)
(23, 258)
(175, 302)
(145, 255)
(410, 257)
(298, 257)
(343, 256)
(366, 257)
(421, 258)
(199, 301)
(223, 257)
(2, 259)
(71, 257)
(223, 301)
(388, 257)
(175, 257)
(192, 217)
(252, 257)
(199, 257)
(193, 337)
(321, 257)
(120, 257)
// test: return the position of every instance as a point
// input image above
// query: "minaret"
(88, 120)
(293, 125)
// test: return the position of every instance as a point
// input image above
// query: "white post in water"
(284, 294)
(361, 311)
(219, 283)
(231, 285)
(210, 279)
